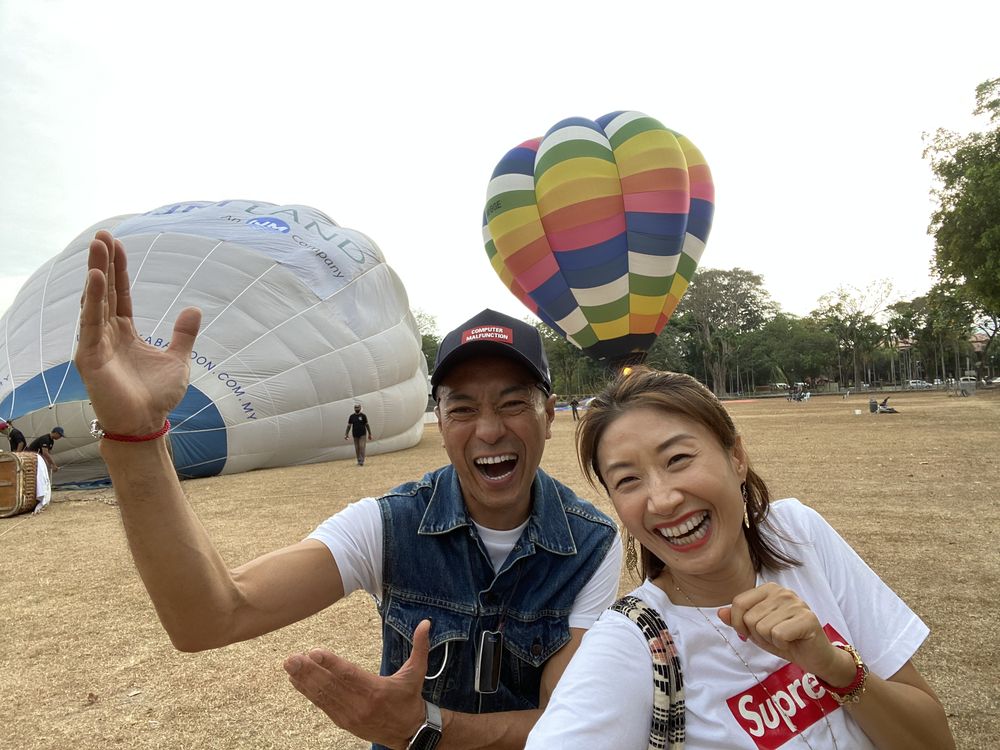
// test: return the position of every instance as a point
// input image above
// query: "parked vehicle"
(919, 384)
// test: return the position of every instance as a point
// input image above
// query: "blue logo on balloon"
(272, 223)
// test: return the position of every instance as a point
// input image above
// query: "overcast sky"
(390, 118)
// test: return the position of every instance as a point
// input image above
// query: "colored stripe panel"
(653, 265)
(639, 323)
(641, 304)
(612, 329)
(538, 274)
(594, 255)
(650, 286)
(590, 234)
(583, 280)
(607, 313)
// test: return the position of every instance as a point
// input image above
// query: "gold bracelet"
(851, 693)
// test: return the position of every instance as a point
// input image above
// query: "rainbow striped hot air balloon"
(598, 228)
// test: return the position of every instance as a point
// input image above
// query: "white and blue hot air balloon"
(302, 319)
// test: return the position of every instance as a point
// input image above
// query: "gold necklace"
(753, 674)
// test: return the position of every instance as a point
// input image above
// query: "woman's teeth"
(688, 532)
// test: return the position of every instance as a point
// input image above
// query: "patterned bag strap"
(667, 728)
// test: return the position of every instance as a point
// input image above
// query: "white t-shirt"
(605, 697)
(354, 538)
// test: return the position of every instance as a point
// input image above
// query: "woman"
(777, 624)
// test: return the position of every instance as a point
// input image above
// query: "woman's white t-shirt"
(605, 697)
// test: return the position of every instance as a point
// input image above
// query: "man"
(43, 446)
(14, 435)
(493, 567)
(357, 425)
(575, 406)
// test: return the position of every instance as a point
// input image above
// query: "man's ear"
(550, 414)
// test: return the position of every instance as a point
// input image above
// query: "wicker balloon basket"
(18, 473)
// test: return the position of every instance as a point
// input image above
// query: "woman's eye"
(625, 482)
(677, 458)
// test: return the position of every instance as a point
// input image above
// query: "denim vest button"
(536, 649)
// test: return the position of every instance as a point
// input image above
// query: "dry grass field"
(84, 662)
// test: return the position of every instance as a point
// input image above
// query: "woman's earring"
(631, 557)
(746, 501)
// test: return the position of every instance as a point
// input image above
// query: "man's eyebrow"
(525, 387)
(508, 391)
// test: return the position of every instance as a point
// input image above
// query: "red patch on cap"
(489, 333)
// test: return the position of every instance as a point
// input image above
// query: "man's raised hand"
(132, 385)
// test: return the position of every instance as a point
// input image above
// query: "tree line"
(730, 334)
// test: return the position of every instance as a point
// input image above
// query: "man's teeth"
(495, 459)
(682, 533)
(497, 468)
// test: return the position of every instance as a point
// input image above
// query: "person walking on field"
(575, 406)
(486, 572)
(358, 427)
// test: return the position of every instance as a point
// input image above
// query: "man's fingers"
(332, 668)
(323, 658)
(185, 332)
(309, 679)
(415, 666)
(98, 259)
(122, 291)
(421, 646)
(92, 311)
(305, 671)
(327, 680)
(112, 294)
(100, 248)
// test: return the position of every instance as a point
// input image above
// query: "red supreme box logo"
(784, 704)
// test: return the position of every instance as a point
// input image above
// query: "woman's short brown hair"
(675, 393)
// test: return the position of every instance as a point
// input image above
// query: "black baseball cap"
(493, 334)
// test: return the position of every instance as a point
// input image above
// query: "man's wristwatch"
(429, 734)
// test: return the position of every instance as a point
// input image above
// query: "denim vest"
(436, 567)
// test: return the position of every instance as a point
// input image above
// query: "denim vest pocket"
(450, 628)
(534, 641)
